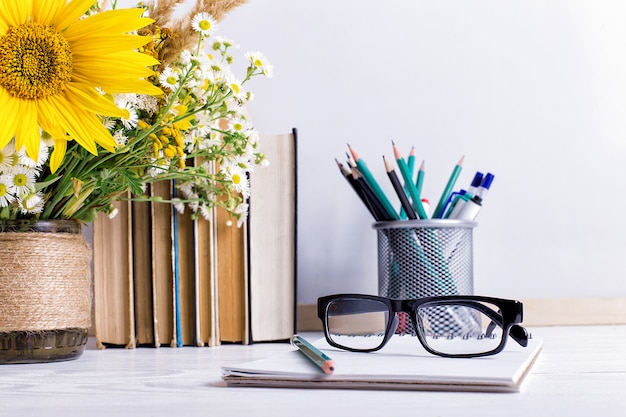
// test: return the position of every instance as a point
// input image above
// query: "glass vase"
(45, 291)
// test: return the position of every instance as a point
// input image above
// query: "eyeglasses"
(450, 326)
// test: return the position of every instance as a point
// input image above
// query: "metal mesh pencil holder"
(423, 258)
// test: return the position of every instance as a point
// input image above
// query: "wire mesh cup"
(424, 258)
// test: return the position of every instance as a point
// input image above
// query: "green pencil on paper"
(369, 178)
(319, 358)
(448, 190)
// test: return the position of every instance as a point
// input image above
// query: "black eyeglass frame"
(510, 311)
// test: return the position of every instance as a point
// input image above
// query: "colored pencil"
(371, 201)
(448, 189)
(420, 179)
(316, 356)
(369, 178)
(408, 182)
(347, 174)
(411, 161)
(406, 205)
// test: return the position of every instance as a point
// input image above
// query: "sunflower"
(55, 65)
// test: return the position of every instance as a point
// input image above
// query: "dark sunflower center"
(35, 61)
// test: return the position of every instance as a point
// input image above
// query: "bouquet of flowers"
(98, 102)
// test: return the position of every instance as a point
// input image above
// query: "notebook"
(401, 365)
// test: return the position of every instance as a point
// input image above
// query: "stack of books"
(162, 278)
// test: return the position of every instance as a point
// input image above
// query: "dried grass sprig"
(182, 36)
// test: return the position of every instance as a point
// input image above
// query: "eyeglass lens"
(357, 323)
(460, 329)
(451, 329)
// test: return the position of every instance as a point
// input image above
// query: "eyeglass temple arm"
(517, 332)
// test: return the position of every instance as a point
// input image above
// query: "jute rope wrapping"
(45, 281)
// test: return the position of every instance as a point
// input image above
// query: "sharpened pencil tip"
(388, 166)
(461, 160)
(353, 152)
(396, 151)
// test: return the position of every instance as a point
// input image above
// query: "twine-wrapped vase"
(45, 291)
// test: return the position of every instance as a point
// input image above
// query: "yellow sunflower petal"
(27, 132)
(84, 126)
(70, 13)
(8, 121)
(115, 21)
(106, 44)
(89, 99)
(127, 65)
(73, 120)
(116, 86)
(14, 13)
(58, 153)
(45, 15)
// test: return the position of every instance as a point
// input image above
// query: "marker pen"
(472, 207)
(462, 196)
(457, 204)
(484, 186)
(476, 181)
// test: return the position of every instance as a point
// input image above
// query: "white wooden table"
(581, 372)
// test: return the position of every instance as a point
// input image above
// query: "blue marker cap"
(486, 181)
(478, 177)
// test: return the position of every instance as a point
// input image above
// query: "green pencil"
(408, 182)
(369, 178)
(420, 179)
(411, 161)
(448, 190)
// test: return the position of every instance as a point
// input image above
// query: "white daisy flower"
(237, 124)
(31, 203)
(242, 211)
(243, 162)
(133, 118)
(186, 57)
(220, 40)
(169, 79)
(259, 61)
(178, 205)
(108, 123)
(120, 138)
(205, 212)
(186, 188)
(7, 191)
(7, 157)
(23, 179)
(236, 87)
(238, 178)
(193, 205)
(25, 160)
(204, 24)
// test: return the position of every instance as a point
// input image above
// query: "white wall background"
(533, 91)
